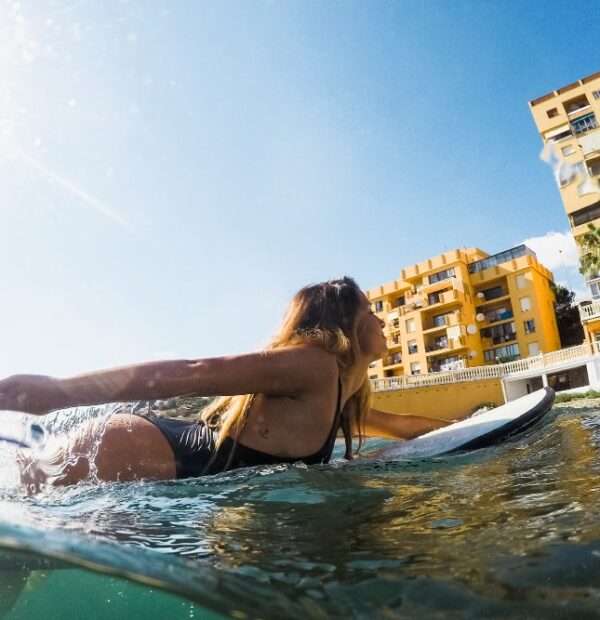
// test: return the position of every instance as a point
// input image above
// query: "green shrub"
(565, 398)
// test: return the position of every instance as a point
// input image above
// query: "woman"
(280, 405)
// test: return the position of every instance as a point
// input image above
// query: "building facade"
(465, 308)
(568, 121)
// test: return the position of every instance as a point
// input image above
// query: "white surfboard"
(479, 431)
(21, 429)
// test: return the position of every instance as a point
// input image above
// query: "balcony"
(500, 339)
(392, 361)
(590, 143)
(448, 365)
(438, 300)
(589, 311)
(584, 124)
(393, 342)
(495, 316)
(438, 345)
(444, 347)
(441, 322)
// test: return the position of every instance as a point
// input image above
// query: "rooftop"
(565, 89)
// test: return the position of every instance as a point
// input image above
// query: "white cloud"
(555, 250)
(558, 251)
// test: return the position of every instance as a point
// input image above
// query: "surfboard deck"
(479, 431)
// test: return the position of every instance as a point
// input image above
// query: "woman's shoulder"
(316, 357)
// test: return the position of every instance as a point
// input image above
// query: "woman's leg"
(124, 448)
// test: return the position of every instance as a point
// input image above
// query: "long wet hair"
(319, 314)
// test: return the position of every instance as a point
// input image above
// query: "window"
(596, 94)
(396, 324)
(585, 215)
(595, 289)
(373, 377)
(415, 368)
(534, 348)
(501, 257)
(525, 303)
(396, 358)
(411, 326)
(412, 347)
(378, 306)
(440, 320)
(400, 301)
(567, 150)
(441, 275)
(529, 326)
(521, 281)
(552, 112)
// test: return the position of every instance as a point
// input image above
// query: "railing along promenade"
(496, 371)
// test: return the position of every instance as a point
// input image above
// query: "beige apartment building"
(567, 121)
(465, 308)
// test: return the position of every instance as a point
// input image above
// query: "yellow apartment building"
(567, 121)
(465, 308)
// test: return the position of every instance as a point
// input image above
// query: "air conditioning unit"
(480, 316)
(481, 295)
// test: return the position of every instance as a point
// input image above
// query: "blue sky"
(172, 172)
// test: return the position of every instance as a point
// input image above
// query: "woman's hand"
(36, 394)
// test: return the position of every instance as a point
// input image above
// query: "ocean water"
(511, 531)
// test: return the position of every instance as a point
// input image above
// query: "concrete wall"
(515, 389)
(440, 401)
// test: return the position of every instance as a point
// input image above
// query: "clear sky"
(171, 172)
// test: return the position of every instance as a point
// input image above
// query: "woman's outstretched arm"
(287, 371)
(396, 426)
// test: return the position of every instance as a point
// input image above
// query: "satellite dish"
(471, 329)
(480, 316)
(481, 294)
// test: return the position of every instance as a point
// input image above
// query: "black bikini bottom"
(192, 442)
(194, 448)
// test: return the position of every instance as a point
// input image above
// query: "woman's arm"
(288, 371)
(397, 426)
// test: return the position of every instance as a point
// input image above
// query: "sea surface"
(511, 531)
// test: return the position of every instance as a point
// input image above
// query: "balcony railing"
(584, 124)
(578, 109)
(446, 345)
(495, 371)
(591, 311)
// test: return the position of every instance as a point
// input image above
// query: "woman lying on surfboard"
(283, 404)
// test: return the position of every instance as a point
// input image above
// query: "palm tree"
(589, 262)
